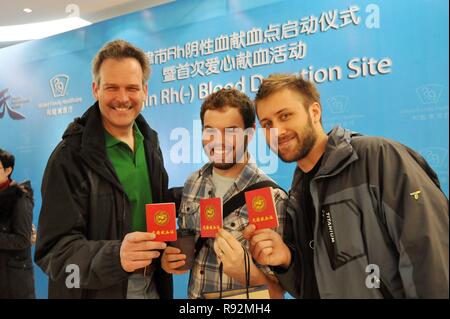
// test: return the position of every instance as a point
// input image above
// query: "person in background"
(16, 216)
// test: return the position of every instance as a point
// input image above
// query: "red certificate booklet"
(161, 220)
(210, 216)
(261, 208)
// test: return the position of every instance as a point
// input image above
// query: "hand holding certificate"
(161, 220)
(261, 208)
(211, 219)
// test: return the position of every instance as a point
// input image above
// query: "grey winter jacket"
(378, 206)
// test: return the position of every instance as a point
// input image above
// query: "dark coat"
(381, 223)
(16, 267)
(86, 213)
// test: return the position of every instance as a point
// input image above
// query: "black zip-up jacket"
(86, 213)
(16, 267)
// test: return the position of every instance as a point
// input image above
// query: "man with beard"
(92, 239)
(228, 123)
(369, 218)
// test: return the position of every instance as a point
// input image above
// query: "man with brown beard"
(228, 122)
(368, 217)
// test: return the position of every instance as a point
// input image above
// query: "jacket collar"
(89, 129)
(339, 153)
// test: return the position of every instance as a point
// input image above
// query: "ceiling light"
(31, 31)
(27, 10)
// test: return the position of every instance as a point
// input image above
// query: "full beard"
(305, 141)
(223, 166)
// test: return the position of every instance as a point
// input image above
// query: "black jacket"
(85, 213)
(16, 267)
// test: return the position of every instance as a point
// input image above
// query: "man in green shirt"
(95, 187)
(131, 169)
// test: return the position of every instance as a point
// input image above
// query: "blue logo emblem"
(58, 83)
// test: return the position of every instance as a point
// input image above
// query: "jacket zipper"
(385, 291)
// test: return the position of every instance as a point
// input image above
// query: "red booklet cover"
(161, 220)
(261, 208)
(210, 216)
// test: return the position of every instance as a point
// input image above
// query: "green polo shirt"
(132, 171)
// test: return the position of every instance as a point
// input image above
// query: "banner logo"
(59, 83)
(430, 93)
(5, 108)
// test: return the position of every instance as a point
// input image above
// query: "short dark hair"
(7, 159)
(120, 49)
(232, 98)
(296, 83)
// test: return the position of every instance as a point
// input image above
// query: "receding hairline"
(119, 59)
(121, 49)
